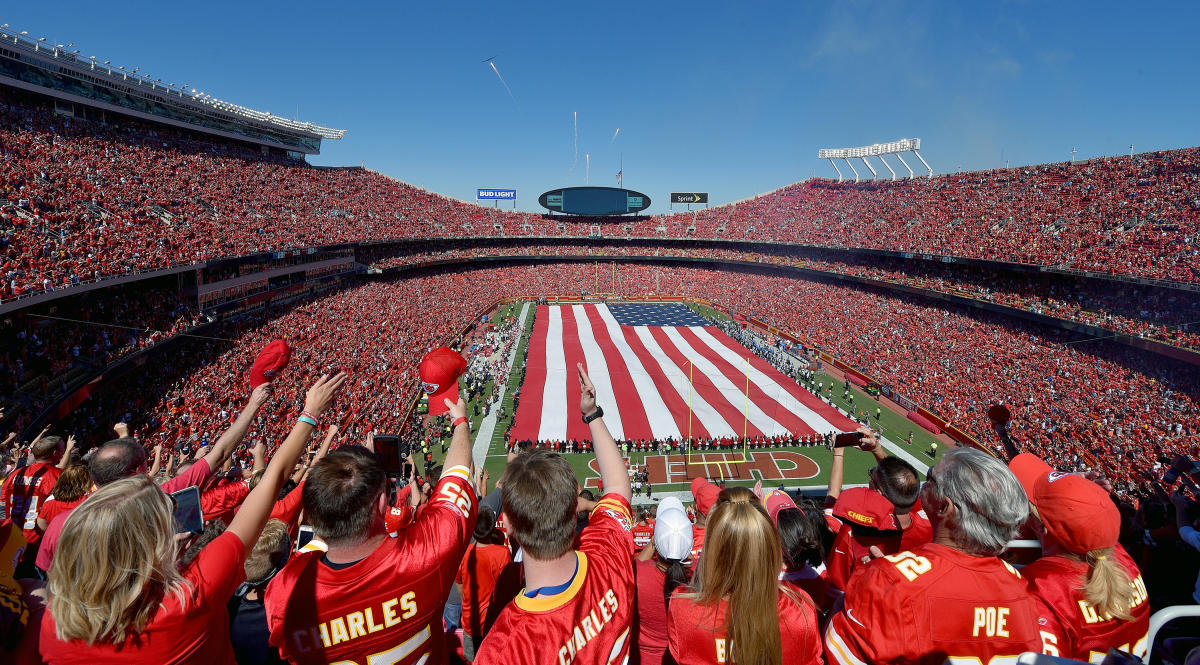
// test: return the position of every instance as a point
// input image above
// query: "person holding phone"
(117, 593)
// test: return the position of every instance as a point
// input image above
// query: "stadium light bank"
(875, 150)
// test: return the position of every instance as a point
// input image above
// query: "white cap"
(672, 530)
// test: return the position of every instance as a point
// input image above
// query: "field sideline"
(787, 466)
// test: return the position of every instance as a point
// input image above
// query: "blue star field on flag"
(655, 314)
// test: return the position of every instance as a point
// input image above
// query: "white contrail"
(575, 143)
(614, 138)
(504, 83)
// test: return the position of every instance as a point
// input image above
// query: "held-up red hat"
(1074, 510)
(270, 363)
(439, 371)
(866, 507)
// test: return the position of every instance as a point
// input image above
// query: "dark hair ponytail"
(676, 577)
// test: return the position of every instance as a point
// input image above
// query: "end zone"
(765, 465)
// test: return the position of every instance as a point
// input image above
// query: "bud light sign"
(496, 194)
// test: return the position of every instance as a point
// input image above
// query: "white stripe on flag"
(553, 426)
(712, 421)
(766, 424)
(767, 384)
(597, 368)
(662, 423)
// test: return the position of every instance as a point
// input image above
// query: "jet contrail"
(504, 83)
(575, 143)
(614, 138)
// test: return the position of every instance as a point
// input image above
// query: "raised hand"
(587, 391)
(458, 410)
(321, 395)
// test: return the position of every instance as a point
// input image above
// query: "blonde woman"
(117, 593)
(1090, 593)
(736, 610)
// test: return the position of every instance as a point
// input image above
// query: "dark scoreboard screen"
(595, 201)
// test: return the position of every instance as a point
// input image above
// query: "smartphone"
(188, 516)
(406, 470)
(305, 537)
(387, 447)
(846, 439)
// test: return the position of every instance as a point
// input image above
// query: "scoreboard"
(596, 201)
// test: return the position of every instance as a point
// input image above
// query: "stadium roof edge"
(56, 55)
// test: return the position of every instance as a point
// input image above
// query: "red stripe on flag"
(675, 403)
(573, 353)
(822, 408)
(737, 376)
(528, 418)
(704, 387)
(629, 402)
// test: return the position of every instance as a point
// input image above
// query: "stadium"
(904, 367)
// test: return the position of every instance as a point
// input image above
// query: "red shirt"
(642, 534)
(587, 623)
(650, 624)
(197, 473)
(386, 605)
(697, 633)
(477, 574)
(1072, 627)
(54, 507)
(222, 502)
(849, 548)
(194, 631)
(931, 604)
(23, 493)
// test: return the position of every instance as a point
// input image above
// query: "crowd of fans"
(326, 557)
(1077, 402)
(81, 201)
(1162, 314)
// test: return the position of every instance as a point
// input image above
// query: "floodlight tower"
(876, 150)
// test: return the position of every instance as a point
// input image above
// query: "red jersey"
(194, 631)
(650, 623)
(697, 633)
(23, 493)
(1072, 628)
(931, 605)
(386, 607)
(222, 502)
(589, 621)
(849, 548)
(642, 535)
(54, 507)
(478, 572)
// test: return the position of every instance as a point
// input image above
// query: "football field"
(792, 467)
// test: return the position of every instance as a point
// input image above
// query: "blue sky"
(729, 98)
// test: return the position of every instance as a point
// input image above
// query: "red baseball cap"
(439, 371)
(777, 501)
(866, 507)
(270, 363)
(705, 493)
(1074, 510)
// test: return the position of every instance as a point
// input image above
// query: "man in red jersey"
(1078, 525)
(882, 515)
(371, 597)
(485, 559)
(951, 599)
(26, 489)
(577, 605)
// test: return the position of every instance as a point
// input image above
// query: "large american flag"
(649, 362)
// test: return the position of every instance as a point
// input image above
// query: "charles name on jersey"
(356, 624)
(589, 627)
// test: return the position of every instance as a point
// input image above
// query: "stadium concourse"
(146, 268)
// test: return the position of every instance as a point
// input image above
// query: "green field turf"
(894, 426)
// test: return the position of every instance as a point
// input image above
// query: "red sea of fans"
(81, 201)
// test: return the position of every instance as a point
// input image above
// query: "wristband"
(598, 413)
(460, 421)
(310, 415)
(307, 419)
